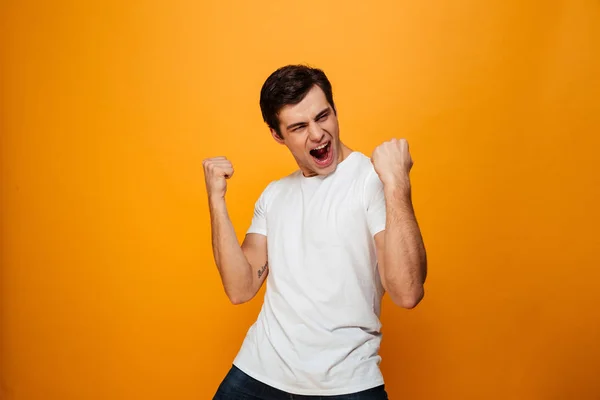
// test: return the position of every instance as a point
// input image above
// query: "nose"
(315, 133)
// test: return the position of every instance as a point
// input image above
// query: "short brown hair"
(289, 85)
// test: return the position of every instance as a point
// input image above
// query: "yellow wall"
(109, 290)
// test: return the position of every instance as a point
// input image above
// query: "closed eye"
(298, 127)
(322, 115)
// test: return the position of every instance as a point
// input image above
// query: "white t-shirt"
(318, 332)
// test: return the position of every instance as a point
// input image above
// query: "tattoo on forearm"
(263, 269)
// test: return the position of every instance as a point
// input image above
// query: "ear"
(276, 136)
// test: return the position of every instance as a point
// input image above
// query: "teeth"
(320, 147)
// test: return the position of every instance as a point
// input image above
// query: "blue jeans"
(238, 386)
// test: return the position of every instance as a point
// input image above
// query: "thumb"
(228, 173)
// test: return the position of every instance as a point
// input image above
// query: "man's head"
(297, 104)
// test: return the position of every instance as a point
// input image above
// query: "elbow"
(237, 298)
(409, 300)
(410, 303)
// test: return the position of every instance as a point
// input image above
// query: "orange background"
(109, 289)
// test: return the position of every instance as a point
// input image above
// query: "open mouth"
(323, 155)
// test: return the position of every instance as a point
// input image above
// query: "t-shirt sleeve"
(259, 219)
(375, 203)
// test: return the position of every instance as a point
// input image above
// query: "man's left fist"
(392, 162)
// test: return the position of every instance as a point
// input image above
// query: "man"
(341, 231)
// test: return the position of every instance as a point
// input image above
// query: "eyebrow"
(297, 124)
(322, 113)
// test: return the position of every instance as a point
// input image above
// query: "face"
(310, 131)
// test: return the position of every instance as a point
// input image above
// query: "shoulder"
(280, 184)
(364, 170)
(369, 182)
(360, 158)
(274, 187)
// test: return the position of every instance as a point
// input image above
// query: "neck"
(344, 152)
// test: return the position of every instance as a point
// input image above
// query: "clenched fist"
(216, 171)
(392, 162)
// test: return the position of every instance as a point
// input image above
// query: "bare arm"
(242, 268)
(401, 252)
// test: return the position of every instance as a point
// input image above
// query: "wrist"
(216, 199)
(397, 187)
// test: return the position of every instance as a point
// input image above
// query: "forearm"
(405, 261)
(234, 268)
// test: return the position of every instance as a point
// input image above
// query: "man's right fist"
(216, 171)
